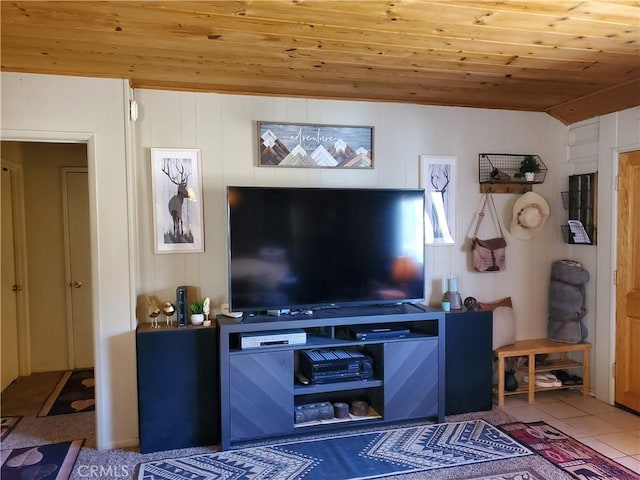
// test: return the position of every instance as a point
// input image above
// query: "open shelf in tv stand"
(259, 391)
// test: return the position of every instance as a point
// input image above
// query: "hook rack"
(505, 187)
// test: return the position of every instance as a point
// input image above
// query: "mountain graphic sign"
(305, 145)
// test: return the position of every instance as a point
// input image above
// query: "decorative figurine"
(471, 303)
(206, 309)
(168, 309)
(153, 311)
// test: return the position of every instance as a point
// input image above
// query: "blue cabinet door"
(178, 392)
(411, 379)
(261, 394)
(469, 362)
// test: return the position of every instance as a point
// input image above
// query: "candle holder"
(453, 295)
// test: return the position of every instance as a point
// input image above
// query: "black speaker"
(178, 402)
(182, 307)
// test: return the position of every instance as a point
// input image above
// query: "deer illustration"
(175, 203)
(440, 181)
(440, 178)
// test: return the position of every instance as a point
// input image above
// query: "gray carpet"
(26, 395)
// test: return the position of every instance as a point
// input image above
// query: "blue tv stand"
(259, 390)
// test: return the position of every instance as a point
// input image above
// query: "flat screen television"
(306, 248)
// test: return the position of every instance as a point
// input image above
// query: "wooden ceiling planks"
(522, 67)
(540, 56)
(184, 30)
(602, 102)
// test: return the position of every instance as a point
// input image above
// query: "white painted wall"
(224, 128)
(92, 111)
(42, 107)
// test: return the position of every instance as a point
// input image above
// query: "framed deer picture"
(178, 224)
(438, 178)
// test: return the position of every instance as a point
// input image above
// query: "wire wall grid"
(505, 168)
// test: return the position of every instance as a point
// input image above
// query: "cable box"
(267, 339)
(377, 332)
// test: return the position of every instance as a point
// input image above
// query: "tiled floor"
(607, 429)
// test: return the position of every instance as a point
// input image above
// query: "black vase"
(510, 382)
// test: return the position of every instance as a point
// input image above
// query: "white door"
(78, 259)
(10, 287)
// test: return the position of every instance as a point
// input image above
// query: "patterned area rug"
(349, 457)
(6, 425)
(519, 475)
(74, 393)
(53, 461)
(567, 453)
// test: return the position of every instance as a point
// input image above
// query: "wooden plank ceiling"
(572, 59)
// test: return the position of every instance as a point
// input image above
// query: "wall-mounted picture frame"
(314, 146)
(178, 223)
(438, 178)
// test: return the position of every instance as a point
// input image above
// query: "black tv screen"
(305, 248)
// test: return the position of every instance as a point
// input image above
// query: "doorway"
(51, 341)
(11, 285)
(627, 353)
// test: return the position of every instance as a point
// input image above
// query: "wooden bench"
(531, 348)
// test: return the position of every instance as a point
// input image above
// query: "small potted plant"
(197, 312)
(529, 167)
(446, 304)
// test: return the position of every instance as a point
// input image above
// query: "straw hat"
(530, 213)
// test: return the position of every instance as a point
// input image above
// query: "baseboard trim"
(120, 444)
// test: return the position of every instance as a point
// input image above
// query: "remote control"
(224, 309)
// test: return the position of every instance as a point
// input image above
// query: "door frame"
(67, 263)
(20, 245)
(613, 307)
(89, 139)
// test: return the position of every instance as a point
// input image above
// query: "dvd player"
(377, 332)
(280, 337)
